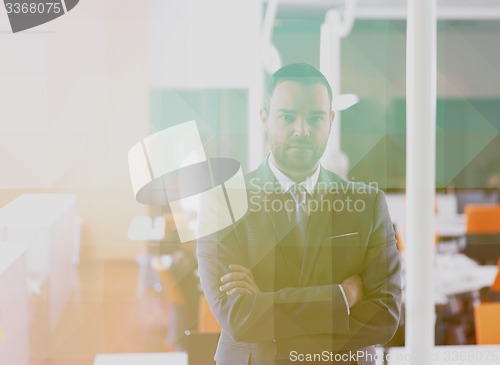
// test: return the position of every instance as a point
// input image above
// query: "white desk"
(397, 208)
(446, 214)
(451, 225)
(45, 223)
(457, 274)
(146, 228)
(14, 340)
(166, 358)
(450, 355)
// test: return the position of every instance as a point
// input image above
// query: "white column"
(256, 149)
(330, 66)
(420, 178)
(336, 26)
(334, 158)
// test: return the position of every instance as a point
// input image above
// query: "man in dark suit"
(311, 273)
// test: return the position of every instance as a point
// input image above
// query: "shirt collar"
(286, 183)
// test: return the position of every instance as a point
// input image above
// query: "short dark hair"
(302, 73)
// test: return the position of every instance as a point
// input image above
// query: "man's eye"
(288, 117)
(315, 120)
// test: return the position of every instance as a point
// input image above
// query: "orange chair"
(483, 232)
(206, 320)
(496, 284)
(487, 323)
(483, 218)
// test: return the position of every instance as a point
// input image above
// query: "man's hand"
(239, 281)
(353, 288)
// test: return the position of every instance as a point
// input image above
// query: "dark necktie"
(299, 218)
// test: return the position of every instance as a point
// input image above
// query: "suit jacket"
(300, 310)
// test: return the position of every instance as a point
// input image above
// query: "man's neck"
(297, 176)
(286, 182)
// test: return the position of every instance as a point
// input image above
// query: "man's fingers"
(239, 277)
(242, 291)
(237, 284)
(352, 279)
(239, 268)
(233, 276)
(355, 281)
(353, 287)
(233, 284)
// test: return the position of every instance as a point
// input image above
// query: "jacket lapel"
(265, 181)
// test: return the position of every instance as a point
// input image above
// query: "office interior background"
(82, 273)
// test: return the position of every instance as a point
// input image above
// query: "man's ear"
(332, 117)
(263, 118)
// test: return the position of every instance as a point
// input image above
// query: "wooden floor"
(104, 315)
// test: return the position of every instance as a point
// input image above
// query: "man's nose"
(301, 128)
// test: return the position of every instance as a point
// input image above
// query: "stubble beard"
(296, 161)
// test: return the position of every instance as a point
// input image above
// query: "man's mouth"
(301, 146)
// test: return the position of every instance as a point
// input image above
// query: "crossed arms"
(251, 315)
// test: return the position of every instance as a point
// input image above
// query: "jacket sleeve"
(266, 316)
(376, 318)
(317, 311)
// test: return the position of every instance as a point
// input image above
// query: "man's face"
(297, 125)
